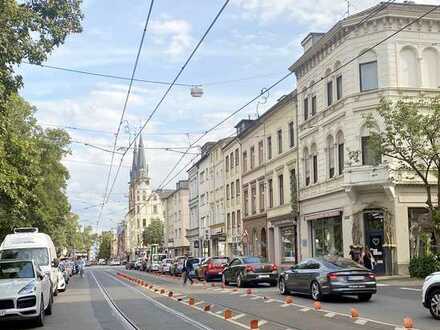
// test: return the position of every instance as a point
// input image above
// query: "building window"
(261, 188)
(246, 202)
(260, 153)
(315, 168)
(313, 105)
(269, 147)
(270, 184)
(306, 108)
(137, 209)
(254, 199)
(307, 166)
(252, 157)
(368, 76)
(331, 156)
(338, 87)
(237, 187)
(232, 160)
(237, 157)
(232, 190)
(288, 244)
(227, 163)
(281, 188)
(280, 141)
(227, 192)
(327, 237)
(329, 92)
(144, 196)
(340, 144)
(228, 221)
(244, 161)
(291, 135)
(233, 220)
(155, 209)
(144, 222)
(238, 220)
(369, 155)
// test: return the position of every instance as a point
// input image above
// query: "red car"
(212, 268)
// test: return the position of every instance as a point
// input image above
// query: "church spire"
(134, 167)
(141, 162)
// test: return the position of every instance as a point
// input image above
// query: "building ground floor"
(387, 220)
(282, 240)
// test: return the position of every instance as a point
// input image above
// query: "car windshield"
(340, 263)
(219, 261)
(39, 255)
(254, 260)
(16, 269)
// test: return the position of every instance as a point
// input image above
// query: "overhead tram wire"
(156, 108)
(147, 21)
(373, 13)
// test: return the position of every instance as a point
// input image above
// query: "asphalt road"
(105, 300)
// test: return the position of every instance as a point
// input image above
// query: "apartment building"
(348, 194)
(192, 233)
(177, 220)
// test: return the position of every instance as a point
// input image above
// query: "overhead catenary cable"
(182, 69)
(124, 109)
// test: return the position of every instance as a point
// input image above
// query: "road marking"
(219, 312)
(261, 322)
(411, 289)
(235, 292)
(269, 301)
(361, 322)
(305, 309)
(198, 303)
(256, 297)
(381, 284)
(244, 295)
(164, 307)
(225, 291)
(331, 314)
(218, 289)
(230, 320)
(239, 316)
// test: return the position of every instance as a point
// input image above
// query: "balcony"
(366, 175)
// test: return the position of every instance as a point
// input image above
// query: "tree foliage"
(411, 136)
(153, 234)
(105, 245)
(30, 30)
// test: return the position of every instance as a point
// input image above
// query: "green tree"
(411, 136)
(30, 30)
(153, 234)
(105, 245)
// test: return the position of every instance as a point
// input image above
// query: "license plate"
(356, 278)
(356, 286)
(219, 273)
(263, 276)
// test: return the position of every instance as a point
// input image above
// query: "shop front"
(326, 232)
(256, 232)
(283, 241)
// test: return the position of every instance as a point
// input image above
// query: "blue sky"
(252, 38)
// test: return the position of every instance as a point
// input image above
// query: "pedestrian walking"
(187, 269)
(367, 258)
(355, 254)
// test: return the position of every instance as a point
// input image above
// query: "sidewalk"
(400, 280)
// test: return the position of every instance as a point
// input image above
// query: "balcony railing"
(366, 175)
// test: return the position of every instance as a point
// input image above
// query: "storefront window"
(288, 245)
(327, 237)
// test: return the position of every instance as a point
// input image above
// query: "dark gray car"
(328, 276)
(249, 270)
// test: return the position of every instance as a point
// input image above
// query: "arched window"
(408, 67)
(369, 155)
(307, 166)
(430, 68)
(368, 71)
(331, 156)
(314, 153)
(340, 146)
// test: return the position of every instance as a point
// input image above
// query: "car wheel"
(224, 281)
(240, 282)
(365, 296)
(282, 286)
(315, 291)
(48, 310)
(39, 320)
(434, 304)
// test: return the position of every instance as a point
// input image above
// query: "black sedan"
(247, 270)
(328, 276)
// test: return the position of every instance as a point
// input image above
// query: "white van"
(29, 244)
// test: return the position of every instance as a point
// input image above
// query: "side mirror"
(55, 262)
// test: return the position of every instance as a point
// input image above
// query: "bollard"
(170, 293)
(207, 308)
(191, 301)
(317, 305)
(213, 285)
(151, 286)
(253, 324)
(408, 323)
(162, 291)
(234, 289)
(288, 300)
(354, 313)
(248, 291)
(227, 314)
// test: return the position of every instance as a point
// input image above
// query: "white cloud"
(173, 34)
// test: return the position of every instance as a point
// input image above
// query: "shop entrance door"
(373, 220)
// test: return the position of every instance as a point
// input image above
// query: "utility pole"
(348, 2)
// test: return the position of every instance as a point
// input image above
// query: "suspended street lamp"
(197, 91)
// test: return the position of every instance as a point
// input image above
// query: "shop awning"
(323, 214)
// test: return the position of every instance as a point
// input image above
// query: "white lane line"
(225, 291)
(115, 311)
(261, 322)
(235, 292)
(243, 295)
(255, 298)
(285, 305)
(269, 300)
(411, 289)
(331, 314)
(164, 307)
(199, 302)
(219, 312)
(361, 322)
(218, 289)
(381, 284)
(239, 316)
(305, 309)
(230, 320)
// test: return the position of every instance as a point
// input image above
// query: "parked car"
(196, 262)
(247, 270)
(329, 276)
(154, 261)
(129, 265)
(63, 270)
(101, 262)
(67, 265)
(177, 266)
(138, 264)
(25, 291)
(212, 268)
(165, 266)
(29, 244)
(62, 284)
(431, 294)
(115, 262)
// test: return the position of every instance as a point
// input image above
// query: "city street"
(105, 300)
